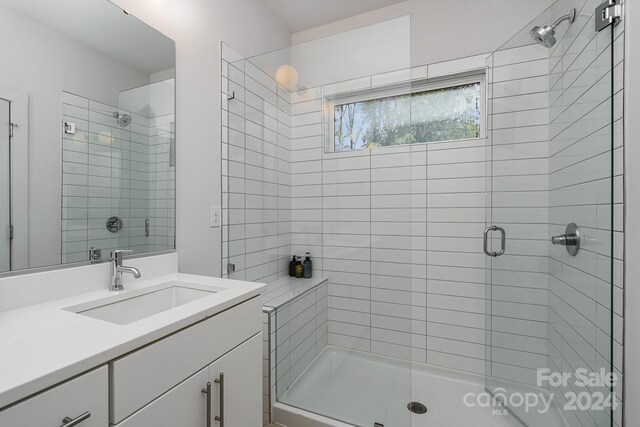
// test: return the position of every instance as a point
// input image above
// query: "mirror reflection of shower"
(123, 119)
(545, 35)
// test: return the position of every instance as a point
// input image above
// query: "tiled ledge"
(286, 289)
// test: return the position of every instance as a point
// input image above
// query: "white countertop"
(43, 345)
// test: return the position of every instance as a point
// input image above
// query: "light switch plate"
(216, 216)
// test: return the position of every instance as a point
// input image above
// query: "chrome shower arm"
(571, 16)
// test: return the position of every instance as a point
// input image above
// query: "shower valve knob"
(564, 240)
(571, 239)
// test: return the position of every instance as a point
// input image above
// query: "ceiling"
(299, 15)
(103, 27)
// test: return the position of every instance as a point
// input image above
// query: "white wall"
(198, 27)
(36, 63)
(470, 27)
(358, 53)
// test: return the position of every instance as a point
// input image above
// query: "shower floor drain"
(417, 408)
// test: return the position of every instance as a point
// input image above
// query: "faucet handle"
(117, 253)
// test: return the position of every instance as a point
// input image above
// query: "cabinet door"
(183, 406)
(84, 398)
(240, 390)
(144, 375)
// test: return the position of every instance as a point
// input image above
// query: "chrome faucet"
(117, 269)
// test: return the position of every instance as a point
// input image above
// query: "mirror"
(87, 145)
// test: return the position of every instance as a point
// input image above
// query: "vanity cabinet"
(157, 383)
(82, 401)
(205, 371)
(234, 400)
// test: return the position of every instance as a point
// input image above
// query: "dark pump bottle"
(299, 269)
(292, 267)
(307, 266)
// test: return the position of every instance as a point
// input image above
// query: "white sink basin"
(140, 304)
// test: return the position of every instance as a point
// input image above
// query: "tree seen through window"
(432, 115)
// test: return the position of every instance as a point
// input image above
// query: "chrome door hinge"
(231, 268)
(10, 232)
(12, 127)
(609, 12)
(69, 128)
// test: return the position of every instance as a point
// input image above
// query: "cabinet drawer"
(87, 393)
(142, 376)
(183, 406)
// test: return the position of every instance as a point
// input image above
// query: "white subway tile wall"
(300, 334)
(384, 220)
(294, 331)
(111, 170)
(268, 362)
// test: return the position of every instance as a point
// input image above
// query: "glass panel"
(341, 350)
(5, 187)
(550, 157)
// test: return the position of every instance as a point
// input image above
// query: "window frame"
(478, 76)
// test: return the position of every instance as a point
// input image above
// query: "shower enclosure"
(428, 195)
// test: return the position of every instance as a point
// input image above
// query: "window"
(427, 113)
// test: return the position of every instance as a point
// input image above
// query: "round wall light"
(287, 76)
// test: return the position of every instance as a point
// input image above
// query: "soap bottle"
(307, 266)
(292, 267)
(299, 269)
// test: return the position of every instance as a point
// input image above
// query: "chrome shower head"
(545, 35)
(123, 119)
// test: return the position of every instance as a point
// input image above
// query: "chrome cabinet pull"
(70, 422)
(503, 241)
(207, 391)
(220, 381)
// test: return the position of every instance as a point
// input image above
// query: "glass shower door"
(550, 151)
(5, 186)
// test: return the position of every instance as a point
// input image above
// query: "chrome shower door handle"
(503, 241)
(485, 241)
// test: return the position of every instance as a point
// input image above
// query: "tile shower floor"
(362, 389)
